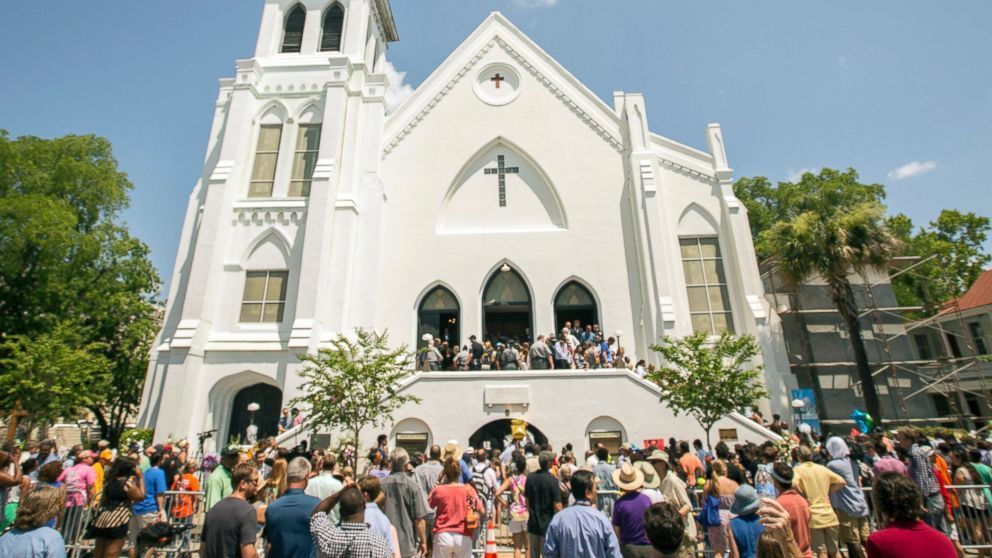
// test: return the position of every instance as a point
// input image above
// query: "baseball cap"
(107, 454)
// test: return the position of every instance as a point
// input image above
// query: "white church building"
(502, 197)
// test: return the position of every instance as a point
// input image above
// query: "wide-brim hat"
(651, 477)
(451, 449)
(628, 478)
(658, 455)
(746, 501)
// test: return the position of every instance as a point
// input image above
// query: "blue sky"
(899, 90)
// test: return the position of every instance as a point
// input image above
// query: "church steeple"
(358, 29)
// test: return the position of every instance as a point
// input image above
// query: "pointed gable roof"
(979, 294)
(497, 32)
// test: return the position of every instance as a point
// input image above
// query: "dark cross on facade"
(497, 78)
(501, 171)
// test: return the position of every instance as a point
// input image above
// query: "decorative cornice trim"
(267, 212)
(557, 92)
(534, 72)
(435, 100)
(686, 171)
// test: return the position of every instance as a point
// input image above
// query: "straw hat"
(651, 478)
(451, 449)
(658, 455)
(628, 478)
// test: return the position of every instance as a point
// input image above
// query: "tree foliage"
(65, 259)
(354, 383)
(51, 375)
(813, 194)
(956, 239)
(828, 225)
(708, 379)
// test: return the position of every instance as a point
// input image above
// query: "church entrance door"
(497, 435)
(506, 308)
(266, 418)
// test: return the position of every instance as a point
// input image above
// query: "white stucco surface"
(401, 203)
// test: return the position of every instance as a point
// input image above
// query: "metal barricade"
(184, 510)
(181, 509)
(72, 522)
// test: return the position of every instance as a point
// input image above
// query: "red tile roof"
(980, 294)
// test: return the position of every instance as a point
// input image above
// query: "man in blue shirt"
(149, 510)
(377, 521)
(580, 529)
(287, 520)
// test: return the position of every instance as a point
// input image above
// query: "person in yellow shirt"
(100, 468)
(816, 482)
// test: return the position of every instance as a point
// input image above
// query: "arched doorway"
(575, 302)
(506, 307)
(438, 316)
(497, 435)
(266, 418)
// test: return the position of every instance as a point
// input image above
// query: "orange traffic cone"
(491, 551)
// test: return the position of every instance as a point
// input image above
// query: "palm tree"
(837, 230)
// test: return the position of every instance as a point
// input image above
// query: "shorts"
(112, 533)
(517, 526)
(823, 540)
(853, 530)
(452, 545)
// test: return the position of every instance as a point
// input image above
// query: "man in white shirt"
(325, 484)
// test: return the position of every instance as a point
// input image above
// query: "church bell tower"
(281, 236)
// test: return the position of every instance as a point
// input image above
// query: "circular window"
(497, 84)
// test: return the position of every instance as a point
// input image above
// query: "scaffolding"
(941, 373)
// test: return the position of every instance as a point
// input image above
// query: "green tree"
(767, 205)
(52, 375)
(65, 259)
(354, 383)
(956, 239)
(828, 225)
(708, 379)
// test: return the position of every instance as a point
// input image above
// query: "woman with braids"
(123, 485)
(30, 536)
(974, 504)
(900, 506)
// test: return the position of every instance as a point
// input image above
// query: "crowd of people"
(797, 498)
(574, 347)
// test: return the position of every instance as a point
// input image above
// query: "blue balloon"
(863, 420)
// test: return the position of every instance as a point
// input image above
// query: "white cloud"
(911, 169)
(399, 90)
(534, 3)
(796, 176)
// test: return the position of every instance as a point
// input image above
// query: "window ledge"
(270, 203)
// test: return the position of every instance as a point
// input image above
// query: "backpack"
(481, 488)
(509, 356)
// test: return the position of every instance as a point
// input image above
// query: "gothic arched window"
(575, 302)
(292, 37)
(438, 315)
(330, 38)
